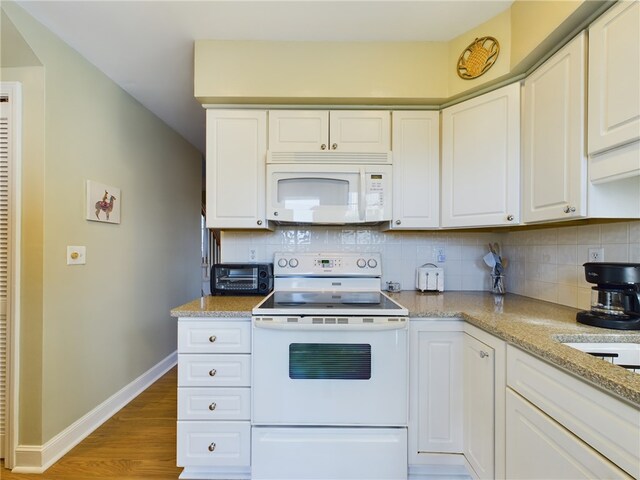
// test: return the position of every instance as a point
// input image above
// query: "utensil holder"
(497, 284)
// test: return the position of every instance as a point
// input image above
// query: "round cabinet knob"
(212, 372)
(212, 447)
(282, 263)
(373, 263)
(323, 146)
(398, 222)
(259, 222)
(213, 406)
(212, 338)
(569, 209)
(334, 146)
(361, 263)
(483, 354)
(510, 218)
(293, 263)
(275, 214)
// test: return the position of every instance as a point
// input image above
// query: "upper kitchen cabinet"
(342, 131)
(614, 93)
(236, 156)
(554, 177)
(416, 170)
(481, 160)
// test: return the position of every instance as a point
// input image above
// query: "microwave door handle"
(362, 195)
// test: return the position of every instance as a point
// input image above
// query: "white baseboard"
(37, 458)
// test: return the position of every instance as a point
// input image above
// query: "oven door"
(328, 193)
(341, 375)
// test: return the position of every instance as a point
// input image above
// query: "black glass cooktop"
(337, 300)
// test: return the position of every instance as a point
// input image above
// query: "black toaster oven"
(241, 278)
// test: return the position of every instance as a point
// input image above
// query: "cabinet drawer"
(609, 425)
(214, 403)
(200, 370)
(214, 336)
(213, 444)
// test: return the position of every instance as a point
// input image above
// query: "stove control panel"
(327, 264)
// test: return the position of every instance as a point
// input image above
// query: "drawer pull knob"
(212, 338)
(483, 354)
(212, 447)
(212, 372)
(212, 406)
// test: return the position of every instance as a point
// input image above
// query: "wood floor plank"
(137, 443)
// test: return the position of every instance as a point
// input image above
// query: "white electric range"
(329, 373)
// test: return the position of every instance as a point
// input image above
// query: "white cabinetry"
(580, 431)
(416, 170)
(337, 130)
(435, 394)
(481, 160)
(214, 378)
(614, 89)
(483, 417)
(236, 156)
(538, 447)
(554, 177)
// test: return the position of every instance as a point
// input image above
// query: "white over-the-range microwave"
(328, 187)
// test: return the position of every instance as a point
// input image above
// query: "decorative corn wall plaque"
(478, 57)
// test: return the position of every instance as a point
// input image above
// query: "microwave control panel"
(375, 189)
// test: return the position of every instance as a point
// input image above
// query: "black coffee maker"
(615, 300)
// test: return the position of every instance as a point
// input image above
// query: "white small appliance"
(429, 278)
(328, 193)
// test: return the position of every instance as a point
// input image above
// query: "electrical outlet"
(596, 254)
(252, 254)
(439, 254)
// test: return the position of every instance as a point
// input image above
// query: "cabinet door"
(614, 78)
(298, 130)
(435, 417)
(481, 160)
(538, 447)
(236, 156)
(479, 412)
(554, 164)
(416, 170)
(360, 131)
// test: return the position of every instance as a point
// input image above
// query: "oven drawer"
(195, 403)
(202, 370)
(214, 336)
(323, 453)
(213, 444)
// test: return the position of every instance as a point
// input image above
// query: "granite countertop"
(535, 326)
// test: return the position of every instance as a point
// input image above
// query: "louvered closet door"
(4, 258)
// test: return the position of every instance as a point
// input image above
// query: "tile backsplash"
(544, 262)
(401, 252)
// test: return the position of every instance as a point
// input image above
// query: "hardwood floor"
(138, 443)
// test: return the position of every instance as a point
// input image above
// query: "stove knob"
(282, 263)
(361, 262)
(373, 263)
(293, 263)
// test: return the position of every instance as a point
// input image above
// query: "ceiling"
(146, 47)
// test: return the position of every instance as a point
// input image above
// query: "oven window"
(330, 361)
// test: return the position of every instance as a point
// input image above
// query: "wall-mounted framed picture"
(103, 202)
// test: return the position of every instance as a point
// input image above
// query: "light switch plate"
(76, 255)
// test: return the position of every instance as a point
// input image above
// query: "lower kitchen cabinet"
(214, 410)
(483, 411)
(579, 430)
(435, 394)
(538, 447)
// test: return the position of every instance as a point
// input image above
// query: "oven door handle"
(332, 327)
